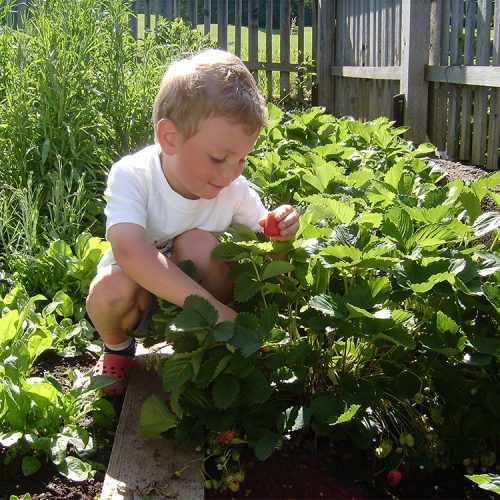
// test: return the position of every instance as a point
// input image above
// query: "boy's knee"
(195, 245)
(106, 294)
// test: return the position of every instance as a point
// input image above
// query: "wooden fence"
(433, 65)
(260, 60)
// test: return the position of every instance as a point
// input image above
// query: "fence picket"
(237, 27)
(479, 129)
(253, 35)
(207, 17)
(222, 23)
(269, 46)
(454, 95)
(362, 41)
(492, 158)
(284, 47)
(465, 121)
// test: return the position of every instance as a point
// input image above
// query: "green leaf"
(487, 222)
(406, 384)
(155, 418)
(347, 415)
(266, 444)
(230, 251)
(330, 209)
(65, 304)
(246, 287)
(332, 305)
(8, 327)
(223, 331)
(225, 391)
(75, 469)
(472, 204)
(488, 482)
(445, 323)
(487, 345)
(399, 337)
(254, 389)
(175, 372)
(275, 268)
(492, 293)
(197, 314)
(30, 465)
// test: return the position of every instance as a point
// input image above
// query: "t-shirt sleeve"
(126, 196)
(250, 209)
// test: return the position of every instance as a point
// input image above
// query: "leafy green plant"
(381, 324)
(39, 417)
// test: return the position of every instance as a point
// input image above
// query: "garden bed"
(303, 468)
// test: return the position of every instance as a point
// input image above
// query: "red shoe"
(115, 366)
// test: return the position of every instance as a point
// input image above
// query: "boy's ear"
(167, 136)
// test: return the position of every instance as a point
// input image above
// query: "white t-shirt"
(137, 192)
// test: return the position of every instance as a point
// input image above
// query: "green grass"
(294, 40)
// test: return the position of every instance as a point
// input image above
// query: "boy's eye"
(218, 160)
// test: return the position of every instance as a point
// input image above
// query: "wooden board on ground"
(144, 468)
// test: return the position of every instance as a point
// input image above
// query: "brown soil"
(302, 469)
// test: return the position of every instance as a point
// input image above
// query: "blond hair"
(211, 83)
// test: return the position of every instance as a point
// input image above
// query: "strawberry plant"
(381, 324)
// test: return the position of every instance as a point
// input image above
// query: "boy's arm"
(153, 271)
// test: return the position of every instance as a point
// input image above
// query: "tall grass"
(76, 92)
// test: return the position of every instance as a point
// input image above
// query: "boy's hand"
(281, 224)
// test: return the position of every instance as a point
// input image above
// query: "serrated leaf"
(488, 482)
(254, 389)
(246, 287)
(175, 372)
(155, 418)
(197, 314)
(487, 222)
(399, 337)
(332, 305)
(266, 444)
(347, 415)
(225, 391)
(230, 251)
(275, 268)
(223, 331)
(487, 345)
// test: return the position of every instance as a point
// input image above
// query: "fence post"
(415, 21)
(324, 63)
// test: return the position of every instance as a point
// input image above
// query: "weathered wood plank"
(237, 27)
(222, 22)
(207, 16)
(269, 47)
(253, 33)
(479, 76)
(325, 41)
(369, 72)
(143, 468)
(494, 119)
(414, 57)
(466, 117)
(457, 19)
(284, 47)
(479, 130)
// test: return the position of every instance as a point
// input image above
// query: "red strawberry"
(224, 437)
(270, 225)
(394, 478)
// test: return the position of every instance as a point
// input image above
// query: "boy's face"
(210, 160)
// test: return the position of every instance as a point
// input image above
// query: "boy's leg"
(196, 245)
(116, 304)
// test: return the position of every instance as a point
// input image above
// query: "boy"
(167, 202)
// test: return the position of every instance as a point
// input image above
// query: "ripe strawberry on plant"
(226, 436)
(394, 478)
(270, 225)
